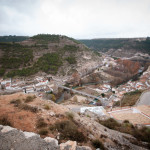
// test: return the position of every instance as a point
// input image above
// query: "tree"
(103, 95)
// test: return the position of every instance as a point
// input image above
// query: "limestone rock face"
(83, 148)
(13, 139)
(69, 145)
(72, 145)
(114, 140)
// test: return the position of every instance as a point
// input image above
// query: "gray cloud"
(76, 18)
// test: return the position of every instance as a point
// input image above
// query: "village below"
(73, 95)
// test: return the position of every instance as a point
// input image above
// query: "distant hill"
(13, 38)
(52, 54)
(104, 45)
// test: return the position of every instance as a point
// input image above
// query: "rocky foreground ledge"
(13, 139)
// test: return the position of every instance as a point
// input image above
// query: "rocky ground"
(32, 114)
(14, 139)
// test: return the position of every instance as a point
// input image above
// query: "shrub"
(29, 99)
(70, 48)
(103, 95)
(43, 132)
(69, 131)
(40, 123)
(4, 121)
(71, 60)
(142, 134)
(110, 123)
(126, 121)
(46, 106)
(28, 107)
(16, 102)
(53, 97)
(70, 115)
(97, 144)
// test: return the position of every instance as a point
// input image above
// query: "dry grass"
(18, 103)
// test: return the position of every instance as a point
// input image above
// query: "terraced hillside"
(52, 54)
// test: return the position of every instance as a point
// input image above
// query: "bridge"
(104, 102)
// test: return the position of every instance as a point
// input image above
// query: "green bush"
(71, 60)
(2, 71)
(70, 48)
(103, 95)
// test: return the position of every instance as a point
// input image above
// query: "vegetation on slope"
(106, 44)
(15, 56)
(13, 38)
(142, 134)
(129, 98)
(71, 60)
(68, 131)
(45, 38)
(48, 63)
(18, 60)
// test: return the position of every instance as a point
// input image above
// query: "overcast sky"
(76, 18)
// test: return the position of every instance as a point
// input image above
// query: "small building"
(97, 110)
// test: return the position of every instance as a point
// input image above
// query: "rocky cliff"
(13, 139)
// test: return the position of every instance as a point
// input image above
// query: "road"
(79, 92)
(104, 102)
(144, 99)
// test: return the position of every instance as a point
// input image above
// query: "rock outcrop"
(113, 140)
(13, 139)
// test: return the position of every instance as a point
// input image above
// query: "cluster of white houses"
(38, 85)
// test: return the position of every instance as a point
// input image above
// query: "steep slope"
(52, 54)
